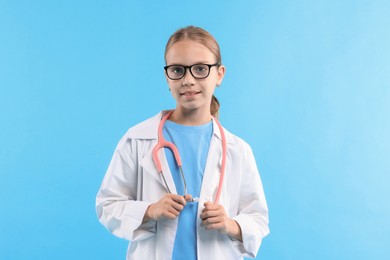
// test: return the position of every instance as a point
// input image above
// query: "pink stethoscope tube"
(161, 143)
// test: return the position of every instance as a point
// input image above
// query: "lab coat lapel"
(212, 170)
(148, 130)
(150, 168)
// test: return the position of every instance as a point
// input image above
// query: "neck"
(190, 117)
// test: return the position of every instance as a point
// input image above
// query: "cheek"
(210, 87)
(173, 86)
(174, 89)
(208, 92)
(215, 80)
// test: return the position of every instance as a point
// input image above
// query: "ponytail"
(214, 106)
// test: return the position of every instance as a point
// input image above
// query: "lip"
(190, 93)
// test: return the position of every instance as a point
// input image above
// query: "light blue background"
(307, 85)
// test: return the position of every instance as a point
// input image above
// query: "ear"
(221, 74)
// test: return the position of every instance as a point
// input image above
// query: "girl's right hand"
(168, 206)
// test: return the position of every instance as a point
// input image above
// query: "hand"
(168, 206)
(214, 217)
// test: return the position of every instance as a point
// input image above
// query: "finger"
(172, 211)
(179, 199)
(214, 226)
(188, 197)
(212, 207)
(209, 214)
(171, 215)
(207, 204)
(177, 206)
(212, 220)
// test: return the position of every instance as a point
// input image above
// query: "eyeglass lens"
(197, 71)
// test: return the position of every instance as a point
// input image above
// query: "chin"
(192, 106)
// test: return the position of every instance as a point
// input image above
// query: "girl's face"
(191, 93)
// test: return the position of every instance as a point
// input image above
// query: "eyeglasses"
(198, 71)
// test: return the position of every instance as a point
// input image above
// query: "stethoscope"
(162, 143)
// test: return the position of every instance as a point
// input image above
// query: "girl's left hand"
(214, 217)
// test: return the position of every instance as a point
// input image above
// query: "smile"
(190, 93)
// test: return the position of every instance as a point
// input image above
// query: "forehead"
(189, 52)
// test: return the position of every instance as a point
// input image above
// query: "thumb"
(188, 197)
(207, 203)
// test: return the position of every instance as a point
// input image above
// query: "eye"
(176, 70)
(201, 68)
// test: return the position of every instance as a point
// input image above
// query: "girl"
(207, 204)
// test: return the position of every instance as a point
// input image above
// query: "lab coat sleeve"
(253, 211)
(117, 206)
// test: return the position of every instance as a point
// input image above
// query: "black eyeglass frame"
(190, 69)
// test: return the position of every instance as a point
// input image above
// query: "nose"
(188, 79)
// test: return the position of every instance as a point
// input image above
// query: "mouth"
(190, 93)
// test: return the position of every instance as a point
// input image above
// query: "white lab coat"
(132, 183)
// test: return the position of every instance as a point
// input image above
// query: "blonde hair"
(203, 37)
